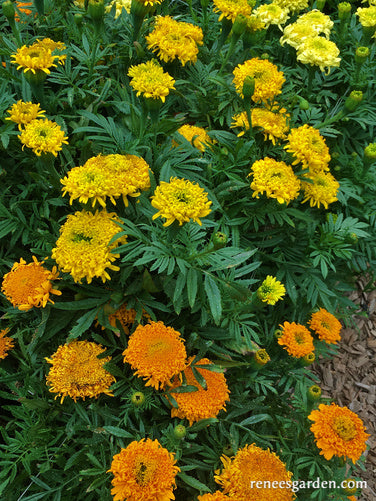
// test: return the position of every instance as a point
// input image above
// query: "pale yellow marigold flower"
(268, 80)
(272, 14)
(175, 39)
(275, 179)
(319, 51)
(271, 290)
(150, 80)
(111, 176)
(296, 33)
(83, 248)
(254, 23)
(119, 6)
(43, 136)
(273, 125)
(230, 9)
(367, 16)
(195, 135)
(292, 5)
(77, 372)
(319, 21)
(180, 200)
(23, 113)
(308, 147)
(322, 190)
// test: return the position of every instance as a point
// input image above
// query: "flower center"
(144, 471)
(299, 338)
(344, 427)
(80, 237)
(157, 347)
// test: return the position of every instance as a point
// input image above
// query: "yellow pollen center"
(144, 472)
(157, 347)
(299, 338)
(344, 427)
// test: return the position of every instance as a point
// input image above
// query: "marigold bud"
(308, 359)
(78, 19)
(349, 486)
(180, 431)
(344, 11)
(261, 358)
(370, 152)
(353, 100)
(314, 393)
(239, 26)
(351, 238)
(9, 10)
(303, 104)
(248, 87)
(95, 9)
(278, 333)
(219, 239)
(138, 398)
(228, 450)
(361, 55)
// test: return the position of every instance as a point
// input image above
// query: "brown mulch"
(349, 379)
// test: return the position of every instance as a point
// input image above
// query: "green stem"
(329, 121)
(226, 28)
(231, 48)
(311, 74)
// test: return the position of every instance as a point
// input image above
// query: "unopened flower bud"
(248, 87)
(278, 333)
(303, 104)
(219, 239)
(95, 9)
(78, 19)
(370, 152)
(239, 26)
(361, 55)
(228, 450)
(180, 431)
(308, 359)
(351, 238)
(349, 486)
(314, 393)
(260, 358)
(138, 398)
(353, 100)
(9, 10)
(344, 11)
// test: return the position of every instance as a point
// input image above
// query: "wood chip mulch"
(349, 379)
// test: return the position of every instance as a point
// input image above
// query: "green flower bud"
(228, 450)
(353, 100)
(260, 358)
(9, 10)
(139, 50)
(180, 431)
(370, 152)
(308, 359)
(351, 238)
(303, 104)
(349, 486)
(95, 9)
(361, 55)
(248, 87)
(138, 399)
(36, 78)
(278, 333)
(320, 4)
(314, 393)
(78, 19)
(344, 11)
(239, 26)
(219, 239)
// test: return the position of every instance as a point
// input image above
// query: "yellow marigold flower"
(49, 44)
(180, 200)
(23, 113)
(308, 147)
(6, 343)
(195, 135)
(77, 372)
(319, 21)
(296, 33)
(151, 3)
(28, 285)
(254, 23)
(119, 6)
(150, 80)
(230, 9)
(338, 432)
(273, 125)
(157, 352)
(250, 464)
(296, 339)
(367, 16)
(318, 51)
(175, 39)
(144, 471)
(83, 248)
(35, 59)
(203, 403)
(272, 14)
(322, 189)
(216, 496)
(43, 136)
(326, 326)
(292, 5)
(274, 178)
(268, 80)
(271, 290)
(109, 176)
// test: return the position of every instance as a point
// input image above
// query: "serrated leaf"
(83, 324)
(118, 432)
(214, 298)
(256, 419)
(193, 482)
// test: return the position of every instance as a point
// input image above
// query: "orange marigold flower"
(203, 403)
(77, 372)
(144, 471)
(157, 352)
(338, 432)
(248, 466)
(296, 339)
(6, 343)
(28, 285)
(216, 496)
(326, 326)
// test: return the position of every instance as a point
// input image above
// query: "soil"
(349, 379)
